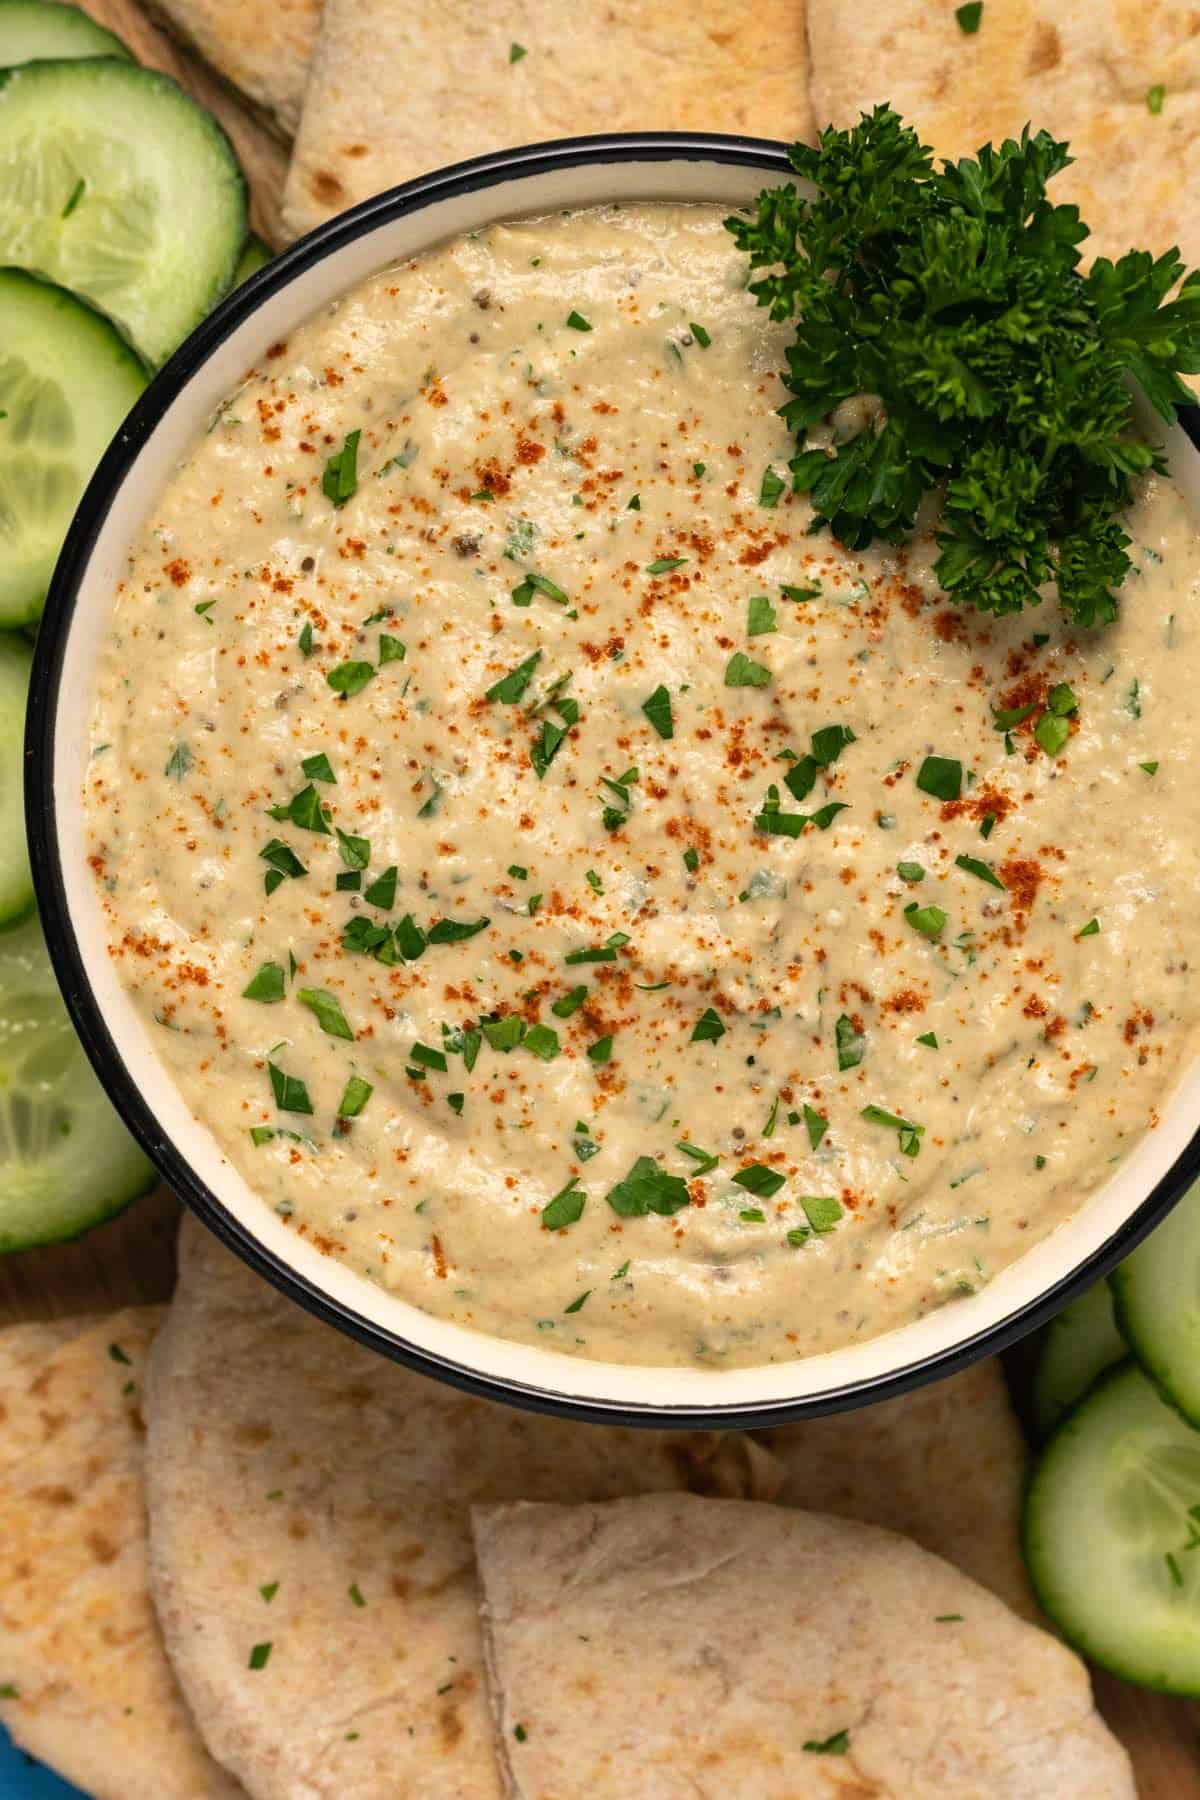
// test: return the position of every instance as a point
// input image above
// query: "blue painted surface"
(21, 1779)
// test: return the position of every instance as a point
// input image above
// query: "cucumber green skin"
(256, 255)
(45, 328)
(102, 1171)
(16, 879)
(33, 31)
(48, 108)
(1156, 1299)
(1058, 1531)
(1077, 1347)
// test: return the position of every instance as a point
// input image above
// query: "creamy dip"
(454, 740)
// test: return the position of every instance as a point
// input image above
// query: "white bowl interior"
(626, 1386)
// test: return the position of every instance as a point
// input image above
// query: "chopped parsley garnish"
(691, 860)
(1051, 733)
(327, 1010)
(552, 736)
(1090, 929)
(929, 1039)
(902, 281)
(569, 1003)
(701, 336)
(814, 1124)
(267, 986)
(752, 1215)
(658, 710)
(930, 921)
(613, 817)
(910, 1133)
(648, 1189)
(566, 1208)
(771, 487)
(542, 1041)
(516, 52)
(709, 1028)
(350, 677)
(704, 1160)
(285, 864)
(260, 1655)
(850, 1043)
(968, 17)
(511, 687)
(741, 671)
(269, 1591)
(355, 852)
(318, 768)
(1151, 768)
(305, 810)
(340, 480)
(1155, 96)
(455, 931)
(390, 649)
(202, 607)
(532, 584)
(601, 1051)
(504, 1034)
(577, 322)
(664, 564)
(838, 1743)
(910, 871)
(355, 1095)
(382, 891)
(758, 1179)
(760, 616)
(800, 594)
(940, 776)
(984, 871)
(822, 1211)
(606, 952)
(305, 640)
(577, 1304)
(178, 763)
(290, 1093)
(427, 1058)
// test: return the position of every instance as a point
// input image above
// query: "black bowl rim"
(41, 811)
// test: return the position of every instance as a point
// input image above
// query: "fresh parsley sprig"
(951, 296)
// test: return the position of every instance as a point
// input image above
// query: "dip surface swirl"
(476, 699)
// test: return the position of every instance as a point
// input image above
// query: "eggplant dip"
(592, 908)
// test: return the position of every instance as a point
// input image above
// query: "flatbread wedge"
(262, 49)
(665, 1647)
(944, 1465)
(522, 71)
(84, 1683)
(1086, 70)
(309, 1495)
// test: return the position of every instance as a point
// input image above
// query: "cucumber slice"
(117, 185)
(255, 255)
(16, 882)
(66, 381)
(1113, 1506)
(33, 31)
(66, 1160)
(1078, 1346)
(1157, 1303)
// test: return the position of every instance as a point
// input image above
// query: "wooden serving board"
(131, 1260)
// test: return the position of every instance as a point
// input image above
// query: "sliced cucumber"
(255, 255)
(16, 882)
(1112, 1533)
(35, 31)
(1157, 1296)
(66, 1160)
(1078, 1346)
(67, 379)
(117, 185)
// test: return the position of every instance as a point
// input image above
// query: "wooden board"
(132, 1259)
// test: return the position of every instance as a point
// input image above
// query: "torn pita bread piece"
(522, 71)
(84, 1684)
(944, 1465)
(262, 50)
(1089, 71)
(665, 1647)
(311, 1541)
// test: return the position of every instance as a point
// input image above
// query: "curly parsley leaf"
(951, 295)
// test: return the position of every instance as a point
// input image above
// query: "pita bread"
(1080, 68)
(944, 1465)
(94, 1696)
(628, 65)
(665, 1648)
(263, 50)
(373, 1472)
